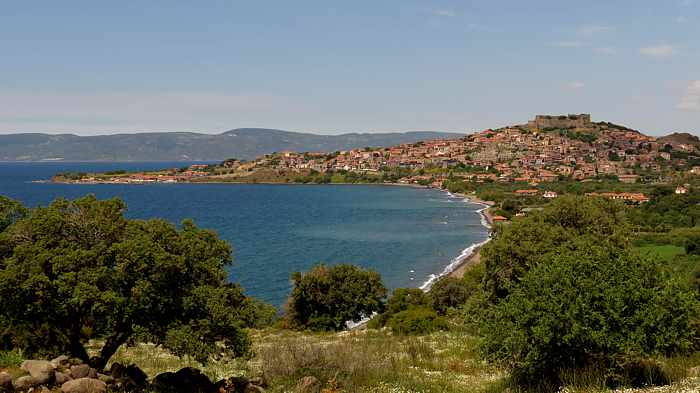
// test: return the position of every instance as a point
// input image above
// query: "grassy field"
(378, 362)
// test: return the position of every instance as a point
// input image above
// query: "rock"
(25, 383)
(92, 373)
(694, 372)
(253, 389)
(108, 379)
(307, 384)
(5, 382)
(41, 370)
(84, 385)
(79, 371)
(44, 389)
(75, 361)
(184, 380)
(135, 376)
(60, 362)
(62, 378)
(117, 370)
(259, 381)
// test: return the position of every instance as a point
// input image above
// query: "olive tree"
(79, 269)
(326, 298)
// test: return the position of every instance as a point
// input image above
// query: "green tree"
(519, 247)
(326, 298)
(448, 292)
(10, 211)
(78, 269)
(596, 307)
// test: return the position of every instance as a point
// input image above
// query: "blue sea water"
(407, 234)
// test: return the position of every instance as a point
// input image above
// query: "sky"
(330, 67)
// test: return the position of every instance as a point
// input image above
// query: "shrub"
(594, 307)
(416, 320)
(10, 359)
(10, 211)
(401, 300)
(327, 297)
(446, 293)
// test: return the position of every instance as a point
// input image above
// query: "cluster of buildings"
(543, 150)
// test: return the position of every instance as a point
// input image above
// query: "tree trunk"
(77, 349)
(111, 345)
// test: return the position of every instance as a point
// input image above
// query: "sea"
(411, 236)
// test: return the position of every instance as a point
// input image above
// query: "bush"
(401, 300)
(10, 211)
(416, 320)
(447, 293)
(10, 359)
(594, 307)
(327, 297)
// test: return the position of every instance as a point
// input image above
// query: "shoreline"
(470, 255)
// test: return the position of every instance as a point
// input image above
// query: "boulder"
(84, 385)
(62, 377)
(185, 380)
(108, 379)
(60, 362)
(117, 370)
(44, 389)
(307, 384)
(41, 370)
(25, 383)
(253, 389)
(75, 361)
(259, 381)
(79, 371)
(5, 382)
(135, 376)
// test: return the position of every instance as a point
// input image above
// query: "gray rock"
(41, 370)
(108, 379)
(253, 389)
(60, 362)
(5, 382)
(25, 383)
(84, 385)
(80, 371)
(259, 381)
(62, 377)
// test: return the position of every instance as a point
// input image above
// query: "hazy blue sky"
(95, 67)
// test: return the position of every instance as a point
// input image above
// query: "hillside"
(246, 143)
(680, 138)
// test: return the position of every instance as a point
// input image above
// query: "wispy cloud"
(605, 50)
(444, 13)
(658, 51)
(575, 85)
(691, 99)
(591, 30)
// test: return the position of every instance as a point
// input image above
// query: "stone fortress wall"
(564, 121)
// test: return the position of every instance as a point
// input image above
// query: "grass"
(374, 361)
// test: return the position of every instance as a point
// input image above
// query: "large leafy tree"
(596, 307)
(521, 246)
(327, 297)
(80, 269)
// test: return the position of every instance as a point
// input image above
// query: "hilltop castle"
(564, 121)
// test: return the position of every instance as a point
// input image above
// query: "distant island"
(245, 143)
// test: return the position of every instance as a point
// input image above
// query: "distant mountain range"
(244, 143)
